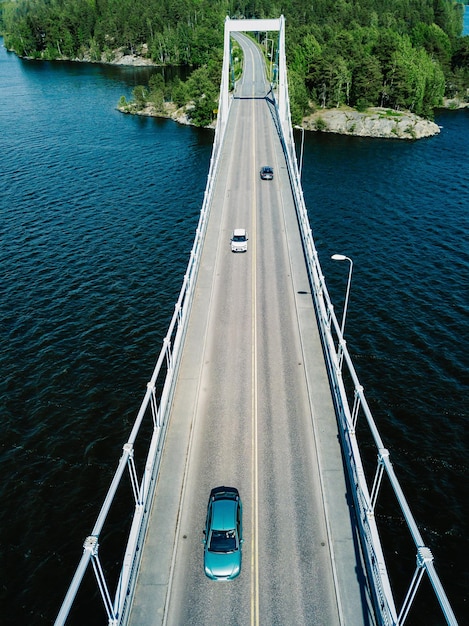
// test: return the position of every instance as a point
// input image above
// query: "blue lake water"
(97, 216)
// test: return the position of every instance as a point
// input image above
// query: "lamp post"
(342, 257)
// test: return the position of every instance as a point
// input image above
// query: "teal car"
(223, 534)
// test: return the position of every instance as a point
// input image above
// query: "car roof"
(224, 501)
(224, 514)
(239, 232)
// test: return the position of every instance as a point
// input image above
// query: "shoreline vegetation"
(374, 122)
(357, 67)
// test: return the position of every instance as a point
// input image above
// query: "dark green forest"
(401, 54)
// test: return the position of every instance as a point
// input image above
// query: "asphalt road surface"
(243, 412)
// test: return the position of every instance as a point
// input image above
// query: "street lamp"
(342, 257)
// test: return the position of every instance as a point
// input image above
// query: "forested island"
(394, 55)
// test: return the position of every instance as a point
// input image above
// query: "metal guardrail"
(365, 502)
(156, 410)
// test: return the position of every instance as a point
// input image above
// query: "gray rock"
(375, 122)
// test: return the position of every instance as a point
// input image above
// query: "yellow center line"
(255, 486)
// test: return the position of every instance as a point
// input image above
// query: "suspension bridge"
(254, 388)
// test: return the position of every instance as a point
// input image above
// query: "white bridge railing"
(336, 361)
(155, 410)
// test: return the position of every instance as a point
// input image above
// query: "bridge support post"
(282, 78)
(91, 546)
(424, 556)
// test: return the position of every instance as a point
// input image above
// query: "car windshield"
(223, 541)
(239, 238)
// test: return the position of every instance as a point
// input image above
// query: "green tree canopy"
(396, 53)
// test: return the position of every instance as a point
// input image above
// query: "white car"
(239, 240)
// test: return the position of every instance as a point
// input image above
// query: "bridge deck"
(253, 410)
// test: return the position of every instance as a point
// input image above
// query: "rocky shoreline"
(121, 57)
(375, 122)
(171, 111)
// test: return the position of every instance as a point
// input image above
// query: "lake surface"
(97, 216)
